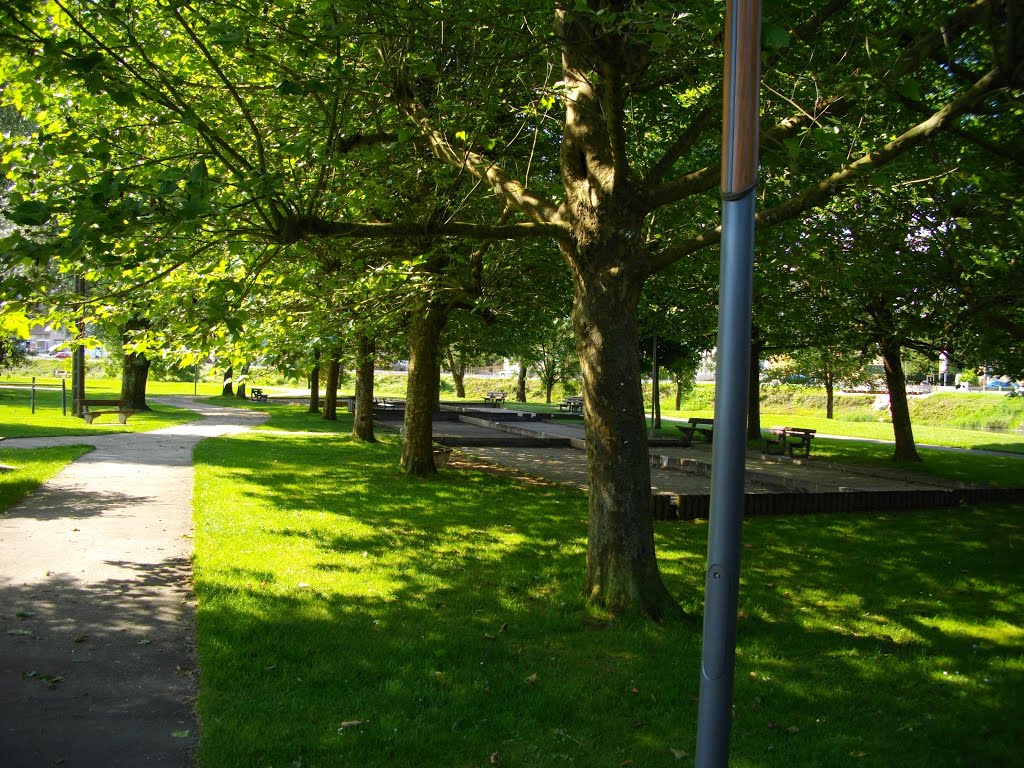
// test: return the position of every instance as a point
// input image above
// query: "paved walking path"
(97, 666)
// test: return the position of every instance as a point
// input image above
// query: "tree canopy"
(172, 131)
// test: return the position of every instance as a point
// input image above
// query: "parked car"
(62, 354)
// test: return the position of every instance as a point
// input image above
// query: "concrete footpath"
(97, 666)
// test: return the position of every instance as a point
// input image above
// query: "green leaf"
(910, 89)
(30, 213)
(774, 36)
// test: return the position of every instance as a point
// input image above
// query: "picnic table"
(495, 398)
(697, 425)
(789, 440)
(573, 404)
(257, 395)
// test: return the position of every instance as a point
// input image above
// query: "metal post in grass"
(739, 180)
(654, 378)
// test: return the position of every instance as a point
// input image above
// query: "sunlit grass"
(31, 469)
(17, 418)
(349, 615)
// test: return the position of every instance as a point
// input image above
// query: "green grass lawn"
(32, 467)
(18, 420)
(349, 615)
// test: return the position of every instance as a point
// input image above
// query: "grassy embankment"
(349, 615)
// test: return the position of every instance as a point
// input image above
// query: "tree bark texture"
(331, 387)
(133, 381)
(227, 388)
(899, 407)
(622, 572)
(362, 424)
(609, 263)
(521, 383)
(423, 388)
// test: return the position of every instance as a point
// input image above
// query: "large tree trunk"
(622, 572)
(133, 381)
(457, 365)
(240, 392)
(227, 387)
(423, 389)
(607, 258)
(331, 387)
(521, 383)
(896, 383)
(549, 386)
(362, 424)
(314, 385)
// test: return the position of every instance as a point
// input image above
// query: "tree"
(851, 88)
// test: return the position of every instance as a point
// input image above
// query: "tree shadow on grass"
(439, 621)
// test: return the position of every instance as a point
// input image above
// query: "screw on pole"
(739, 179)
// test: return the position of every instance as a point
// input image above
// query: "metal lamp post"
(739, 180)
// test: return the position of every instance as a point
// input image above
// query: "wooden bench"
(789, 440)
(257, 395)
(495, 398)
(120, 407)
(697, 425)
(572, 404)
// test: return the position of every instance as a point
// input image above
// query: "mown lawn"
(348, 615)
(49, 419)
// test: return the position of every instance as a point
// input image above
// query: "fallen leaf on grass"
(793, 729)
(495, 758)
(532, 679)
(50, 681)
(679, 754)
(351, 724)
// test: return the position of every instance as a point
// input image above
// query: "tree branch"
(825, 190)
(508, 190)
(872, 161)
(386, 230)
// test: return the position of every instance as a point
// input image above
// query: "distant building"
(43, 337)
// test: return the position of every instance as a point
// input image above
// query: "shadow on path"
(96, 614)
